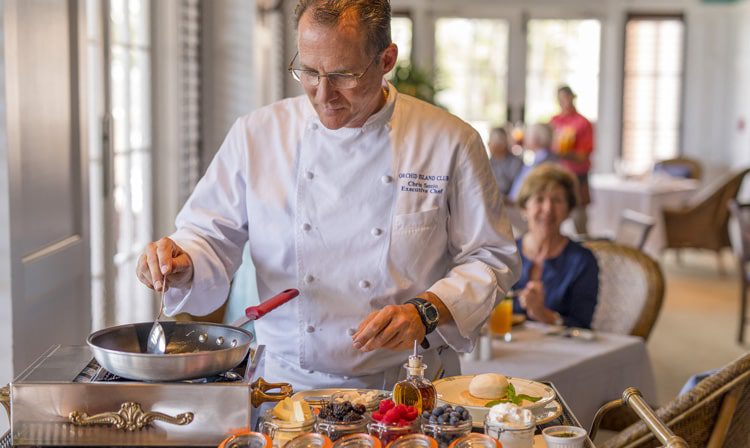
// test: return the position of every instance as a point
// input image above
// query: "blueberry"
(426, 414)
(433, 419)
(460, 409)
(453, 421)
(438, 411)
(465, 414)
(441, 420)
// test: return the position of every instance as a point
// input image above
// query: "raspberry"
(411, 414)
(377, 416)
(391, 416)
(386, 405)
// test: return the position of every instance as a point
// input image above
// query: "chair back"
(680, 167)
(633, 229)
(714, 413)
(741, 212)
(631, 289)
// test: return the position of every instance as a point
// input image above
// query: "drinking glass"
(501, 319)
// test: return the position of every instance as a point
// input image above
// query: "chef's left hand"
(394, 327)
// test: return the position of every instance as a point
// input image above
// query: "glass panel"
(401, 34)
(472, 69)
(562, 52)
(138, 19)
(652, 91)
(140, 116)
(123, 221)
(140, 208)
(118, 23)
(119, 97)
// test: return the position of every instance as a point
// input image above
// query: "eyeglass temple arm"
(632, 398)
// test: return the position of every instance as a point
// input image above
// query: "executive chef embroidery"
(423, 183)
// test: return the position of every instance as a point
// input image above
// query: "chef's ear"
(388, 60)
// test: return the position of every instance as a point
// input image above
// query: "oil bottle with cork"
(415, 390)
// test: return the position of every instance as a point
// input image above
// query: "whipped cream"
(510, 416)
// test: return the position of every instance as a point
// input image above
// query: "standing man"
(505, 165)
(381, 209)
(574, 143)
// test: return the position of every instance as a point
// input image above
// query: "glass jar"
(445, 434)
(414, 441)
(281, 431)
(336, 430)
(510, 435)
(358, 441)
(310, 440)
(246, 439)
(475, 440)
(388, 433)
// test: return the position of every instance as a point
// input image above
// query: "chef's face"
(342, 49)
(546, 210)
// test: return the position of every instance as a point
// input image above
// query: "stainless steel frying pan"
(194, 349)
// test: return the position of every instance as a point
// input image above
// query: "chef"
(381, 209)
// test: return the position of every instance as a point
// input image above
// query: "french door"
(493, 69)
(120, 158)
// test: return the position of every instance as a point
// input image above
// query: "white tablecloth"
(586, 373)
(611, 194)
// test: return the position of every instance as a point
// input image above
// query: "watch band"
(420, 305)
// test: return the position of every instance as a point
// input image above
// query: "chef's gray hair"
(375, 15)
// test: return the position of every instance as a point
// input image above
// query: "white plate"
(454, 390)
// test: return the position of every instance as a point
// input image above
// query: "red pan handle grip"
(256, 312)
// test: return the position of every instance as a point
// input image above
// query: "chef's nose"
(325, 91)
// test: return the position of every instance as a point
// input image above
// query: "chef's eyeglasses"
(336, 80)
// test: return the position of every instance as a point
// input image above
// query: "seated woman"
(559, 277)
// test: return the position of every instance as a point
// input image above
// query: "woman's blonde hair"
(546, 176)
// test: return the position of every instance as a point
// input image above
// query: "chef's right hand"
(164, 257)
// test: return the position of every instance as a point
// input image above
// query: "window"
(472, 70)
(652, 87)
(401, 34)
(562, 52)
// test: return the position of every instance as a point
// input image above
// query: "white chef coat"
(356, 219)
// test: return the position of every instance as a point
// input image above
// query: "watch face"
(431, 313)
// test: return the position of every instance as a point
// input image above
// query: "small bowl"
(564, 436)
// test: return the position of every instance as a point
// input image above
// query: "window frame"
(634, 15)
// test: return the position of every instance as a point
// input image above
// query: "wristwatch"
(429, 315)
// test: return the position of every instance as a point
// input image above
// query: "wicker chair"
(633, 229)
(680, 167)
(714, 414)
(703, 222)
(631, 289)
(741, 212)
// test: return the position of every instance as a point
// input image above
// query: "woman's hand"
(531, 298)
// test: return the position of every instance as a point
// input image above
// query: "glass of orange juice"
(501, 319)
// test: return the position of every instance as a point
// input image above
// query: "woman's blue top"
(571, 284)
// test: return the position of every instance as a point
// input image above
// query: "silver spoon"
(157, 341)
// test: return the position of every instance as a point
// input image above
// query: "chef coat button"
(386, 179)
(310, 329)
(376, 231)
(351, 331)
(306, 227)
(309, 175)
(309, 278)
(310, 372)
(364, 284)
(314, 126)
(346, 377)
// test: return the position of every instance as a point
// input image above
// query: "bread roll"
(489, 386)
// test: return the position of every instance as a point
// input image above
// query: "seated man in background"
(538, 145)
(505, 165)
(559, 278)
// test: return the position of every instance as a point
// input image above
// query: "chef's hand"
(164, 257)
(394, 327)
(531, 298)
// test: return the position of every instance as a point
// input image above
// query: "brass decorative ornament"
(130, 417)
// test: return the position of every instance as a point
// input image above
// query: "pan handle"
(259, 394)
(256, 312)
(5, 399)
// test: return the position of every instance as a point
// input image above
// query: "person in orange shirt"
(573, 143)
